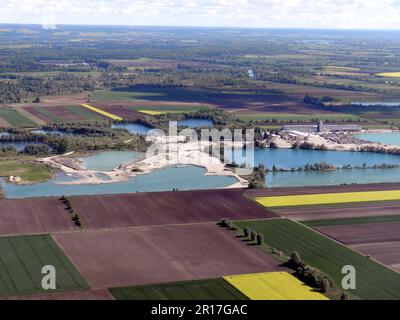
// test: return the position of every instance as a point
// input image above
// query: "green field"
(108, 95)
(21, 262)
(373, 280)
(282, 117)
(212, 289)
(48, 114)
(346, 221)
(150, 94)
(30, 172)
(14, 118)
(81, 111)
(169, 109)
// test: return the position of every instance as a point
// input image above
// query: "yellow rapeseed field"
(342, 68)
(154, 112)
(328, 198)
(105, 113)
(273, 286)
(151, 112)
(389, 74)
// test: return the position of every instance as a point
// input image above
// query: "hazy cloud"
(364, 14)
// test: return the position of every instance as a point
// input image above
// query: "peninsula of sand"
(164, 154)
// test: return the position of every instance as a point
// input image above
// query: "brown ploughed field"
(148, 255)
(31, 216)
(119, 110)
(339, 211)
(161, 208)
(363, 233)
(379, 240)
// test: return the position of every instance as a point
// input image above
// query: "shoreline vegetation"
(58, 151)
(323, 166)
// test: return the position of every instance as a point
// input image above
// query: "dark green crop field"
(21, 262)
(355, 220)
(83, 112)
(14, 118)
(212, 289)
(373, 280)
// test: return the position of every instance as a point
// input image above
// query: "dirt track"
(148, 255)
(159, 208)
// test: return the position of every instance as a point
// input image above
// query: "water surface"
(196, 123)
(109, 160)
(134, 128)
(294, 158)
(181, 178)
(386, 138)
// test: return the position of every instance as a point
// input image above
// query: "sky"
(330, 14)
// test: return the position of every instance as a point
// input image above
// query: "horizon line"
(198, 27)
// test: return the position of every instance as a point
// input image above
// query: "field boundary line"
(90, 285)
(344, 245)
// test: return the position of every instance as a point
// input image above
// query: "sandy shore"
(317, 140)
(179, 154)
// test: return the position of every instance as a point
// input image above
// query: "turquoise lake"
(378, 103)
(135, 128)
(109, 160)
(294, 158)
(191, 177)
(388, 138)
(196, 123)
(182, 178)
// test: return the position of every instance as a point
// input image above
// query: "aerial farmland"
(176, 164)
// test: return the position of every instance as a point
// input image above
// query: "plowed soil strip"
(30, 216)
(160, 208)
(341, 211)
(381, 241)
(149, 255)
(363, 233)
